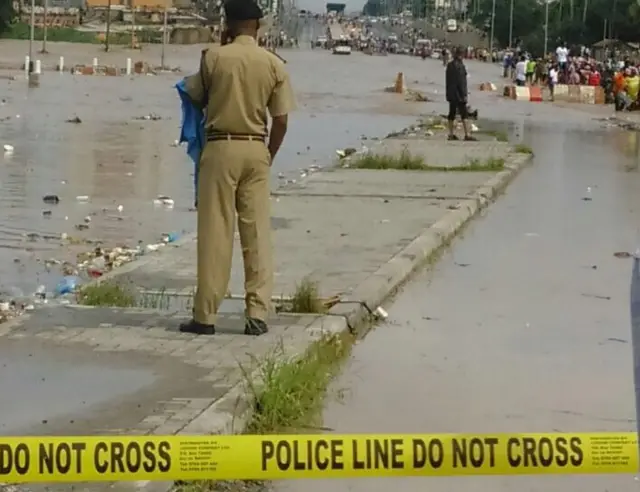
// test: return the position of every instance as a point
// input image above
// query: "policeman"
(239, 83)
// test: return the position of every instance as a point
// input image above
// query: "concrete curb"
(229, 413)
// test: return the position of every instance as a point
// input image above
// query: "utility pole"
(511, 24)
(44, 27)
(32, 35)
(612, 22)
(133, 25)
(493, 25)
(546, 26)
(164, 33)
(108, 31)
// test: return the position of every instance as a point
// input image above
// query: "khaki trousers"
(234, 177)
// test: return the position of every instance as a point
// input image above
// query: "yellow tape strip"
(82, 459)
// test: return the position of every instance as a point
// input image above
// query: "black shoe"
(255, 327)
(197, 328)
(469, 138)
(452, 137)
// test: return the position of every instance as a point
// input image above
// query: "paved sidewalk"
(79, 370)
(338, 226)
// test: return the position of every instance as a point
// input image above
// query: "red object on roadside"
(93, 273)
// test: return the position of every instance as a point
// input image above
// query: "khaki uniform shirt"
(237, 84)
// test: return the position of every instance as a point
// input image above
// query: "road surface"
(523, 325)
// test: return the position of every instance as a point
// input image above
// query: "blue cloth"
(192, 131)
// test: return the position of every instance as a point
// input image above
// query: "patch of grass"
(290, 391)
(220, 486)
(287, 396)
(306, 298)
(406, 162)
(490, 164)
(403, 162)
(21, 30)
(106, 294)
(523, 149)
(500, 136)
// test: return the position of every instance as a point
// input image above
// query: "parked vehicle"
(422, 46)
(342, 47)
(452, 25)
(321, 42)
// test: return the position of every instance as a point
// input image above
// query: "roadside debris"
(342, 153)
(380, 313)
(67, 285)
(90, 264)
(149, 117)
(51, 199)
(596, 296)
(415, 96)
(164, 200)
(488, 86)
(74, 120)
(620, 123)
(622, 254)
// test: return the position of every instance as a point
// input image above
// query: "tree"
(572, 21)
(528, 19)
(6, 15)
(373, 8)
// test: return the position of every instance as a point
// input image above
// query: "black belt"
(215, 136)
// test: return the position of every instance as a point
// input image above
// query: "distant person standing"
(457, 94)
(552, 80)
(531, 70)
(240, 84)
(562, 57)
(521, 71)
(445, 56)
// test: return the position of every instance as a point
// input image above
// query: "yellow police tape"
(75, 459)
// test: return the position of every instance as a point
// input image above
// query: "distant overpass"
(338, 8)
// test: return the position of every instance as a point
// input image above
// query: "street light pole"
(546, 26)
(133, 24)
(32, 34)
(511, 24)
(164, 33)
(493, 25)
(108, 30)
(44, 27)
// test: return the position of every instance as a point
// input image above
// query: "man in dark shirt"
(456, 83)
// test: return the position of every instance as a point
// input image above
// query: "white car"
(342, 49)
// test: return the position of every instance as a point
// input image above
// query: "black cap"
(242, 10)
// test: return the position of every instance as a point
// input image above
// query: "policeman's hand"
(225, 37)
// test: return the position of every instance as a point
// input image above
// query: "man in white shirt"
(521, 71)
(562, 54)
(552, 80)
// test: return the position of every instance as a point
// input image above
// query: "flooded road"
(117, 158)
(523, 325)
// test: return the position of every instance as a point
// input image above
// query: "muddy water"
(116, 159)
